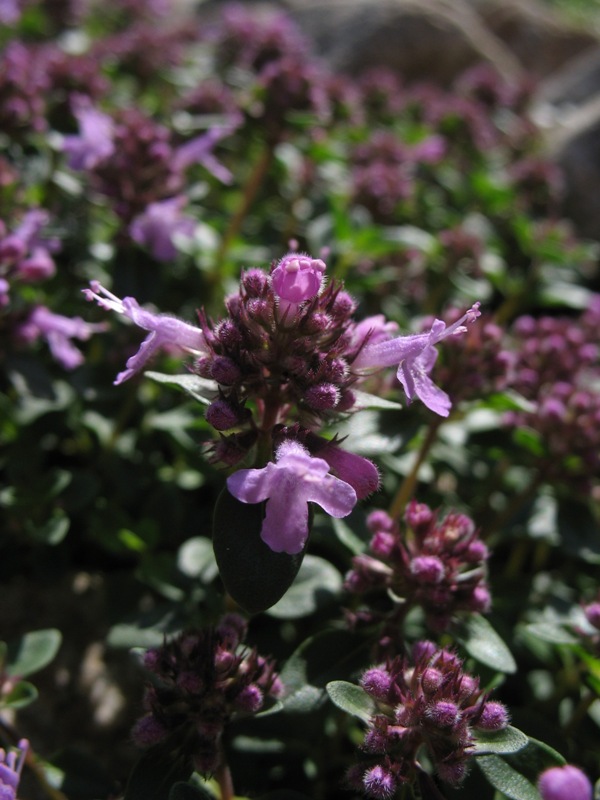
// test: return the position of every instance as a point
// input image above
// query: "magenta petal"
(252, 485)
(336, 497)
(285, 526)
(359, 472)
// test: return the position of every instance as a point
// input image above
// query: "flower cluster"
(430, 703)
(11, 765)
(200, 681)
(288, 357)
(136, 162)
(439, 565)
(25, 252)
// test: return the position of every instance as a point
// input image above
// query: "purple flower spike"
(11, 765)
(165, 330)
(95, 141)
(297, 278)
(289, 484)
(160, 223)
(416, 355)
(564, 783)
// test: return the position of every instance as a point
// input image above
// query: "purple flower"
(297, 278)
(564, 783)
(416, 355)
(165, 330)
(289, 484)
(199, 151)
(11, 765)
(58, 332)
(10, 12)
(25, 237)
(95, 140)
(158, 226)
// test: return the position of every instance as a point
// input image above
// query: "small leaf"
(503, 777)
(196, 559)
(535, 758)
(20, 695)
(317, 584)
(33, 652)
(482, 642)
(200, 389)
(552, 632)
(351, 698)
(328, 655)
(363, 400)
(509, 740)
(254, 575)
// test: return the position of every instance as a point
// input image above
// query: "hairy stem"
(407, 487)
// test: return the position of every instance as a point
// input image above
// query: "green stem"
(407, 487)
(251, 189)
(223, 778)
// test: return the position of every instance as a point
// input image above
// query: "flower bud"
(377, 683)
(564, 783)
(494, 717)
(222, 415)
(297, 278)
(427, 569)
(224, 370)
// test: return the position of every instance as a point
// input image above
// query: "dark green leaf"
(323, 658)
(578, 529)
(506, 779)
(317, 584)
(552, 632)
(534, 758)
(254, 575)
(351, 698)
(510, 740)
(20, 695)
(33, 652)
(482, 642)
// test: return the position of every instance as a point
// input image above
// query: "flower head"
(201, 679)
(415, 356)
(159, 225)
(165, 330)
(95, 141)
(11, 765)
(288, 485)
(58, 331)
(564, 783)
(428, 703)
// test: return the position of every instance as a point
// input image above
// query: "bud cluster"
(429, 703)
(200, 680)
(439, 565)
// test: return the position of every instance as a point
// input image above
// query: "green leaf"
(33, 652)
(503, 777)
(318, 583)
(325, 657)
(509, 740)
(534, 758)
(157, 771)
(254, 575)
(552, 632)
(200, 389)
(196, 559)
(482, 642)
(20, 695)
(351, 698)
(365, 400)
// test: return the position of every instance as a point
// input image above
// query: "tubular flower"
(288, 485)
(165, 331)
(564, 783)
(415, 356)
(11, 765)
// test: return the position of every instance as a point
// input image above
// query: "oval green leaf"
(482, 642)
(351, 698)
(254, 575)
(507, 780)
(318, 582)
(20, 695)
(510, 740)
(32, 652)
